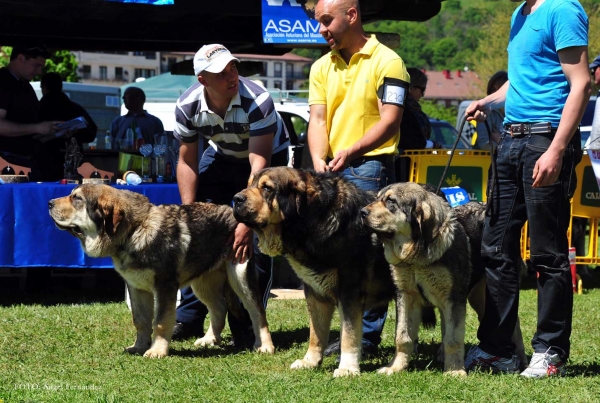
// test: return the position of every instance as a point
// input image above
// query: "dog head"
(100, 216)
(272, 196)
(411, 222)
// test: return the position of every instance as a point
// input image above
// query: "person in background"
(141, 122)
(595, 71)
(495, 118)
(359, 74)
(19, 108)
(579, 224)
(544, 99)
(56, 105)
(246, 134)
(415, 128)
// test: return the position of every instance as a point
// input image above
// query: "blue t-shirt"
(538, 87)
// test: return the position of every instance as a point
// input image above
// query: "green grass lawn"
(73, 353)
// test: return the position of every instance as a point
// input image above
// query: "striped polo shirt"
(250, 113)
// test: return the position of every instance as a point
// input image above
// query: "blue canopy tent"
(163, 88)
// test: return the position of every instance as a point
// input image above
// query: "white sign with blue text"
(290, 22)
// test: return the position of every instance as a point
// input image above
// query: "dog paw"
(391, 369)
(300, 364)
(155, 353)
(135, 350)
(207, 342)
(266, 349)
(456, 373)
(340, 372)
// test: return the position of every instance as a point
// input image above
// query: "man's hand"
(48, 127)
(340, 161)
(243, 244)
(476, 111)
(547, 169)
(45, 131)
(320, 165)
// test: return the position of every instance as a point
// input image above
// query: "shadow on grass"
(45, 287)
(283, 340)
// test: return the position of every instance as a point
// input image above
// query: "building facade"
(286, 72)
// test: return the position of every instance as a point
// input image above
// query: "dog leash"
(492, 182)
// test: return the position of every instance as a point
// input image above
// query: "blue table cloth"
(29, 238)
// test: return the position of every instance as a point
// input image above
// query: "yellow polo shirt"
(350, 93)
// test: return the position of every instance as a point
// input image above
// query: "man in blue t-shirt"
(544, 99)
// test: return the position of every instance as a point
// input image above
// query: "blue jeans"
(372, 175)
(219, 180)
(513, 201)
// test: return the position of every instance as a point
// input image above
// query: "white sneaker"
(543, 365)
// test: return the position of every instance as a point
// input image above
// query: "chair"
(18, 169)
(86, 170)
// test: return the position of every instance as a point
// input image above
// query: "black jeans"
(219, 180)
(513, 201)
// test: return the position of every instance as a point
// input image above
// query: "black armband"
(393, 91)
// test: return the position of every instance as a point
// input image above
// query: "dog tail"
(428, 317)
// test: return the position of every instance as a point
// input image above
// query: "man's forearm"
(12, 129)
(187, 179)
(318, 143)
(571, 117)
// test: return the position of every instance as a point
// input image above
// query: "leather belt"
(523, 129)
(383, 158)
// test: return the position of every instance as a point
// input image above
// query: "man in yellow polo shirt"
(356, 97)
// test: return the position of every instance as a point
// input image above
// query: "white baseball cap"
(212, 58)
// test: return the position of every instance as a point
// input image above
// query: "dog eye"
(390, 203)
(77, 197)
(267, 188)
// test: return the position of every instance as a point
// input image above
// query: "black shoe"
(332, 349)
(182, 331)
(368, 349)
(243, 340)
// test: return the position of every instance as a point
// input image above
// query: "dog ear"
(416, 218)
(292, 198)
(111, 213)
(429, 222)
(300, 191)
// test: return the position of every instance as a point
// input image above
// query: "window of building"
(86, 72)
(103, 73)
(289, 84)
(277, 84)
(145, 73)
(278, 71)
(139, 53)
(265, 69)
(150, 55)
(119, 74)
(289, 70)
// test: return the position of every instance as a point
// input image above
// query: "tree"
(62, 62)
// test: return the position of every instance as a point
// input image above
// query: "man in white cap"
(246, 134)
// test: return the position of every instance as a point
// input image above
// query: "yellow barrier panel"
(469, 170)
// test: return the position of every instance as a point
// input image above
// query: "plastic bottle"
(107, 141)
(129, 136)
(132, 178)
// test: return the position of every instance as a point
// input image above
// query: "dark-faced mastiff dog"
(159, 249)
(314, 221)
(435, 253)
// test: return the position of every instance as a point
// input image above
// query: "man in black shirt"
(19, 107)
(56, 105)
